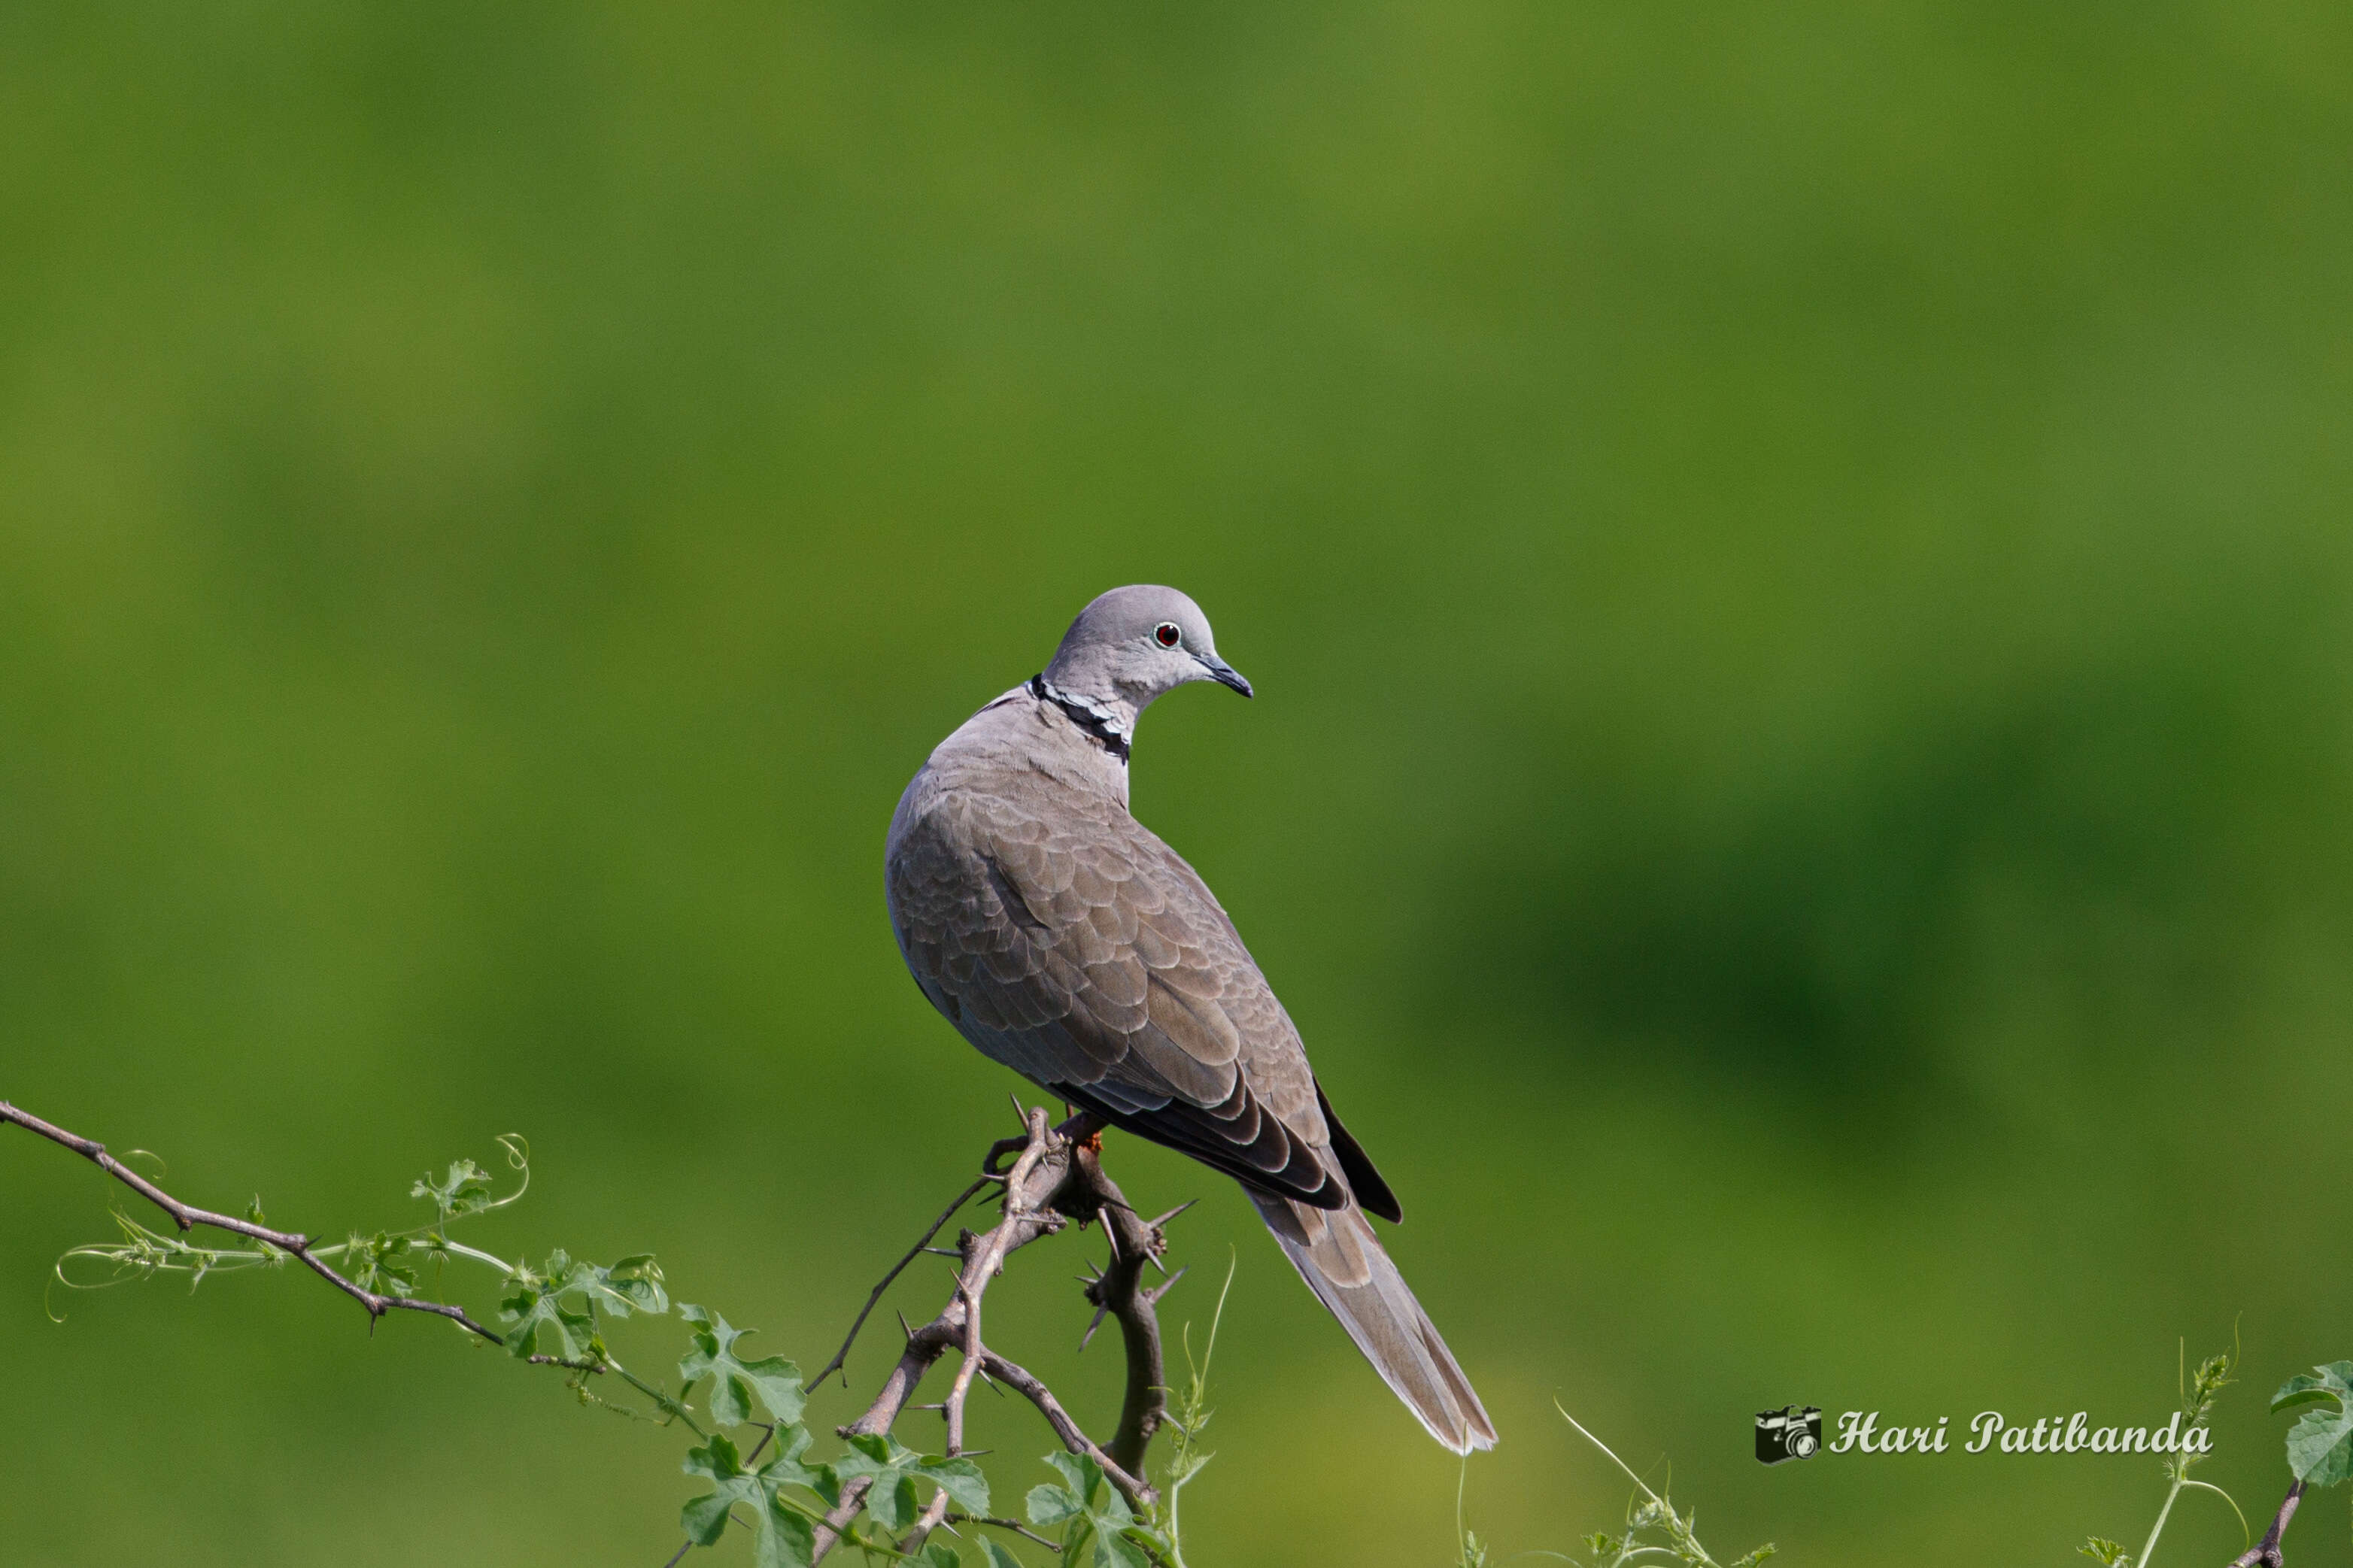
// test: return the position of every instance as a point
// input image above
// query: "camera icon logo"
(1789, 1433)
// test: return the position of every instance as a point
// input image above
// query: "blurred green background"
(1795, 563)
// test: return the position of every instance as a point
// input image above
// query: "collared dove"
(1064, 940)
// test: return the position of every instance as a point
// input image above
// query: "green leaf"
(2320, 1444)
(1077, 1473)
(542, 1325)
(705, 1518)
(1092, 1509)
(2319, 1449)
(938, 1554)
(787, 1469)
(1051, 1505)
(781, 1537)
(2304, 1388)
(998, 1556)
(377, 1264)
(2100, 1549)
(1118, 1551)
(892, 1502)
(775, 1382)
(632, 1285)
(882, 1460)
(786, 1538)
(894, 1469)
(961, 1480)
(465, 1190)
(1183, 1467)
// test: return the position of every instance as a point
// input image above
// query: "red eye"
(1166, 634)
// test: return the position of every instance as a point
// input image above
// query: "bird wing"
(1064, 939)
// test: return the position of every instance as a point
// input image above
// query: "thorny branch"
(187, 1217)
(1057, 1177)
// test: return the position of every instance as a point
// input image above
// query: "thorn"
(1021, 1113)
(1172, 1214)
(944, 1252)
(1152, 1298)
(1092, 1326)
(904, 1329)
(1111, 1235)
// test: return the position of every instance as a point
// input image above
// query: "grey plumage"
(1065, 940)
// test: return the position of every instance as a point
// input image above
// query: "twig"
(2266, 1553)
(1120, 1290)
(1057, 1177)
(1027, 1385)
(983, 1260)
(982, 1266)
(187, 1217)
(922, 1245)
(1015, 1525)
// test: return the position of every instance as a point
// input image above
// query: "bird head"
(1132, 645)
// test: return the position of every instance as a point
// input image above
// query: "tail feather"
(1337, 1254)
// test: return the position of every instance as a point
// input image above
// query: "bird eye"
(1167, 635)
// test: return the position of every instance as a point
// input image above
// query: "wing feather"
(1086, 955)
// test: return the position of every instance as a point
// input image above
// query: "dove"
(1065, 940)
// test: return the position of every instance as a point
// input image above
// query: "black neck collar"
(1103, 727)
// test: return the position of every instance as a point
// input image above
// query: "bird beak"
(1224, 674)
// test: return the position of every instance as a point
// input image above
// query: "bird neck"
(1111, 724)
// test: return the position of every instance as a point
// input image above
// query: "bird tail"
(1337, 1254)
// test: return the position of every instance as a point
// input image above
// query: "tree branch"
(2266, 1553)
(1120, 1291)
(187, 1217)
(1057, 1177)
